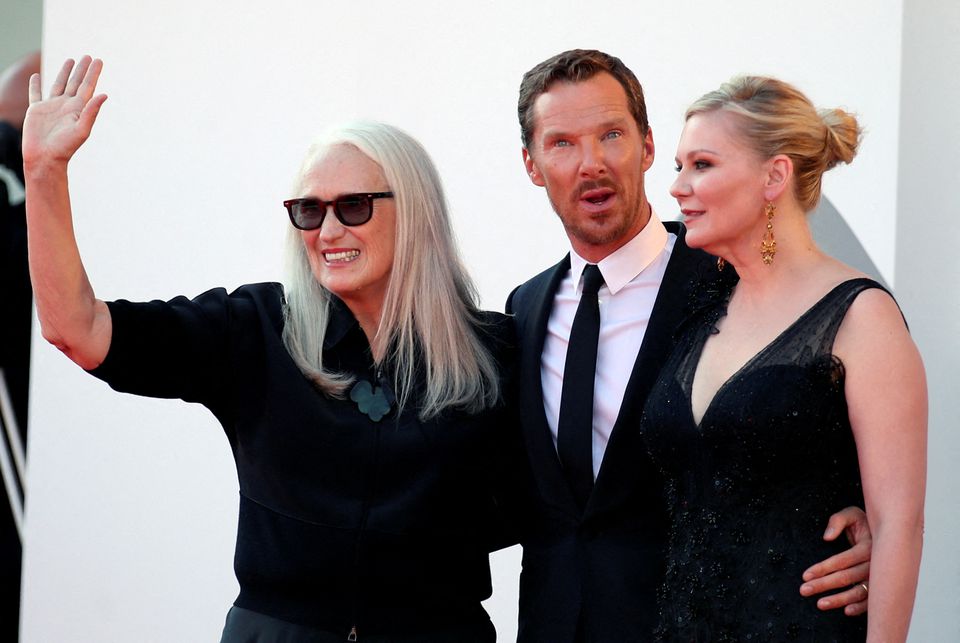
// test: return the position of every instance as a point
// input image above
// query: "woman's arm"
(887, 401)
(71, 317)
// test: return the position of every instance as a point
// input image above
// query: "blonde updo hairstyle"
(776, 118)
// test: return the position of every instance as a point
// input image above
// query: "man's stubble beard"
(593, 237)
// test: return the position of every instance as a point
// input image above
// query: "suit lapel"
(625, 458)
(533, 316)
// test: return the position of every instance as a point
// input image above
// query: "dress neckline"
(702, 338)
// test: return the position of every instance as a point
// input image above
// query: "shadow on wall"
(835, 237)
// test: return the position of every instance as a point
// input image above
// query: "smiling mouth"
(341, 257)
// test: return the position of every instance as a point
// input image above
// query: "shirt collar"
(340, 323)
(626, 262)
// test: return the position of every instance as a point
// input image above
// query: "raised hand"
(57, 126)
(71, 317)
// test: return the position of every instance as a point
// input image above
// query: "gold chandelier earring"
(768, 247)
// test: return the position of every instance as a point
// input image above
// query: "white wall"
(132, 502)
(928, 285)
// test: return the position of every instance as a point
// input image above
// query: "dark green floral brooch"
(373, 401)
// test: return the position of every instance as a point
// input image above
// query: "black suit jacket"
(604, 565)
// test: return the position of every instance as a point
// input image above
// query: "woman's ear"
(779, 176)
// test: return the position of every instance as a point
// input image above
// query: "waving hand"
(71, 317)
(57, 126)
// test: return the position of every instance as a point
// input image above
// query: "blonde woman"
(803, 391)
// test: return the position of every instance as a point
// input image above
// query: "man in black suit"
(593, 555)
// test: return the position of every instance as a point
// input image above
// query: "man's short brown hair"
(575, 66)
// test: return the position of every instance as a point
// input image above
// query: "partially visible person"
(15, 330)
(14, 276)
(593, 557)
(364, 401)
(799, 392)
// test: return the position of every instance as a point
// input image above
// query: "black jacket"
(601, 567)
(343, 521)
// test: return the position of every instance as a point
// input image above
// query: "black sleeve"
(10, 156)
(187, 348)
(17, 317)
(508, 306)
(509, 474)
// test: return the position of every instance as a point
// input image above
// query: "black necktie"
(575, 428)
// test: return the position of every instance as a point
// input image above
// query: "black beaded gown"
(751, 487)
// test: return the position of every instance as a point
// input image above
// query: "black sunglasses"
(350, 209)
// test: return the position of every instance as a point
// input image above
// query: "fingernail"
(805, 589)
(828, 533)
(807, 575)
(824, 603)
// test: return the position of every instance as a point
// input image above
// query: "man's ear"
(648, 149)
(532, 171)
(779, 176)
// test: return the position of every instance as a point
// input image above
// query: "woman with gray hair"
(363, 403)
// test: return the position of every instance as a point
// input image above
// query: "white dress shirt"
(632, 276)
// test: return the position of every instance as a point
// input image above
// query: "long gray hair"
(428, 324)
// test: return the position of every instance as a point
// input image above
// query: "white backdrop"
(132, 502)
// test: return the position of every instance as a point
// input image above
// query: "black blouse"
(344, 522)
